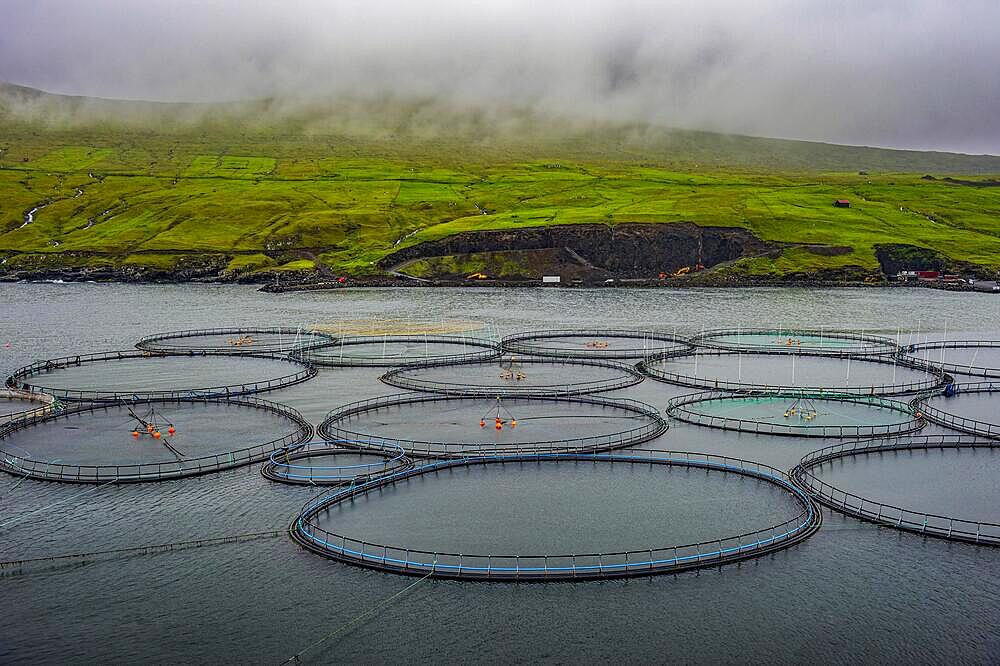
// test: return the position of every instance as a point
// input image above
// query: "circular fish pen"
(390, 351)
(137, 375)
(18, 404)
(153, 440)
(975, 358)
(797, 413)
(764, 371)
(234, 341)
(888, 515)
(646, 560)
(327, 464)
(514, 375)
(594, 343)
(791, 341)
(458, 427)
(970, 408)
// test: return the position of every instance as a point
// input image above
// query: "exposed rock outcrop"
(624, 250)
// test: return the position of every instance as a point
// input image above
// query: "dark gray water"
(852, 592)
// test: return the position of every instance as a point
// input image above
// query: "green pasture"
(266, 202)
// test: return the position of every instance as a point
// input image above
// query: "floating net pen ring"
(935, 379)
(25, 378)
(284, 465)
(517, 373)
(374, 351)
(954, 421)
(545, 567)
(18, 464)
(593, 343)
(790, 420)
(235, 340)
(334, 428)
(888, 515)
(42, 403)
(792, 340)
(912, 351)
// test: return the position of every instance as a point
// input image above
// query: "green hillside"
(263, 186)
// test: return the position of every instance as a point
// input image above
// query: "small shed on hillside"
(842, 203)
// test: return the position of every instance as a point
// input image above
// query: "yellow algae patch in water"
(359, 327)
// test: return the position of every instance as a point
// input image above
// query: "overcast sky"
(906, 73)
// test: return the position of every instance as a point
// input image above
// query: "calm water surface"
(852, 592)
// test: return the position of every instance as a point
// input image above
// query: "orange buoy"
(149, 427)
(513, 423)
(156, 435)
(135, 433)
(482, 423)
(171, 430)
(499, 426)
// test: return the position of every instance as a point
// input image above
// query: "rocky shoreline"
(312, 281)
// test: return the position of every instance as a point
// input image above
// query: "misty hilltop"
(412, 127)
(372, 188)
(919, 74)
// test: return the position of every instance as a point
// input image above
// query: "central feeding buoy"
(803, 408)
(500, 415)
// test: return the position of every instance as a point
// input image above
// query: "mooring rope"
(73, 558)
(21, 517)
(295, 658)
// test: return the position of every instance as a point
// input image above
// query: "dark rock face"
(894, 257)
(626, 250)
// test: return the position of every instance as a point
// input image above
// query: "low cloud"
(913, 74)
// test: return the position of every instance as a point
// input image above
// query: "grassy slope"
(220, 187)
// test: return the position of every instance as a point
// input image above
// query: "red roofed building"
(842, 203)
